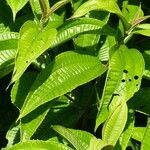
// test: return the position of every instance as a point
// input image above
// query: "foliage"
(74, 74)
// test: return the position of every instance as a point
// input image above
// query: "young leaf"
(16, 5)
(123, 79)
(69, 136)
(104, 5)
(61, 114)
(84, 25)
(37, 144)
(143, 29)
(68, 71)
(115, 124)
(33, 42)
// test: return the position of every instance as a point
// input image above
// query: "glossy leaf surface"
(45, 145)
(68, 71)
(69, 136)
(123, 79)
(104, 5)
(33, 42)
(115, 124)
(75, 27)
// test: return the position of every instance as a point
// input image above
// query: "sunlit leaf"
(98, 144)
(104, 5)
(145, 142)
(37, 144)
(143, 29)
(69, 136)
(84, 25)
(139, 133)
(127, 133)
(16, 6)
(8, 50)
(33, 42)
(115, 124)
(123, 79)
(68, 71)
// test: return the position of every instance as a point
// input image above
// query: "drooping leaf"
(104, 5)
(61, 113)
(29, 124)
(33, 42)
(68, 71)
(84, 25)
(37, 144)
(21, 88)
(73, 140)
(145, 142)
(16, 6)
(115, 124)
(123, 80)
(127, 133)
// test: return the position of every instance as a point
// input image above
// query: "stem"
(57, 6)
(44, 11)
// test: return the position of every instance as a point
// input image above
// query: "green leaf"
(98, 144)
(21, 88)
(143, 29)
(84, 25)
(13, 135)
(35, 5)
(8, 40)
(33, 42)
(132, 11)
(16, 5)
(145, 142)
(105, 51)
(123, 80)
(37, 144)
(68, 71)
(115, 124)
(29, 124)
(60, 114)
(69, 136)
(83, 136)
(8, 50)
(139, 133)
(104, 5)
(57, 6)
(126, 135)
(140, 101)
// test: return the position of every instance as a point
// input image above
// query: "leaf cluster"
(74, 74)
